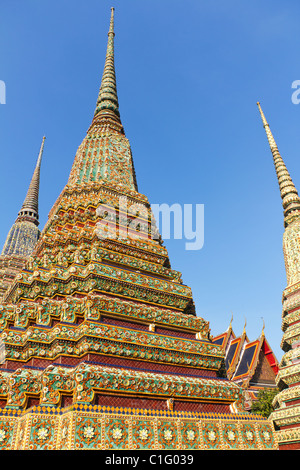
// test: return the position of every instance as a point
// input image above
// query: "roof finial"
(111, 25)
(30, 206)
(289, 194)
(107, 106)
(244, 330)
(263, 328)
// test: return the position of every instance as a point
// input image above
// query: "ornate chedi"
(100, 344)
(24, 233)
(287, 410)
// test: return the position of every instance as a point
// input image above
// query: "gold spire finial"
(244, 330)
(41, 152)
(288, 192)
(111, 25)
(263, 328)
(262, 114)
(30, 206)
(107, 107)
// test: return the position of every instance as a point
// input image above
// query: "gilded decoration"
(90, 336)
(83, 381)
(94, 428)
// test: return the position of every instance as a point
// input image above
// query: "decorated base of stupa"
(92, 427)
(100, 382)
(94, 384)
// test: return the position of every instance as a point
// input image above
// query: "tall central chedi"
(101, 347)
(287, 413)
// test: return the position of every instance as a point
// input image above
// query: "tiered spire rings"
(30, 206)
(289, 194)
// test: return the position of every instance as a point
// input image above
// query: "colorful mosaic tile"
(117, 433)
(230, 436)
(43, 433)
(211, 435)
(88, 433)
(167, 434)
(6, 433)
(143, 434)
(90, 427)
(190, 435)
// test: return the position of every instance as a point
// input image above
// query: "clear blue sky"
(189, 74)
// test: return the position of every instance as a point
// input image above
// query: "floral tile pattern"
(89, 427)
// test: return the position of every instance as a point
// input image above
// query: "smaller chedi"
(23, 235)
(250, 364)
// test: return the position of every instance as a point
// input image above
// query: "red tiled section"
(292, 402)
(130, 402)
(142, 365)
(201, 407)
(295, 446)
(158, 404)
(66, 400)
(179, 334)
(124, 324)
(32, 402)
(289, 426)
(143, 327)
(111, 361)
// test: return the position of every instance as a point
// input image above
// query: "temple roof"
(242, 356)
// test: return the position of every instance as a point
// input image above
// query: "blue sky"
(189, 75)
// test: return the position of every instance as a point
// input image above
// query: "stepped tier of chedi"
(101, 347)
(23, 235)
(287, 410)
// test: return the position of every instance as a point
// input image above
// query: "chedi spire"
(30, 206)
(288, 192)
(107, 107)
(104, 155)
(24, 234)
